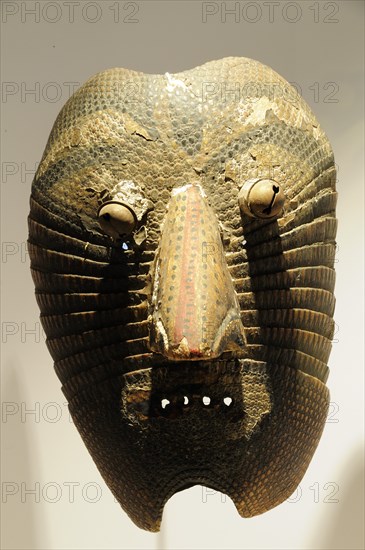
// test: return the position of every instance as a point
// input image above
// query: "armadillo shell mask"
(182, 239)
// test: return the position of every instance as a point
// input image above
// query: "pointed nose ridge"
(195, 313)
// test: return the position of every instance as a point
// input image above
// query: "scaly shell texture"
(242, 408)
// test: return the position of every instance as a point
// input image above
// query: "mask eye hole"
(117, 219)
(261, 198)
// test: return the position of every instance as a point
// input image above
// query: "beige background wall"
(52, 494)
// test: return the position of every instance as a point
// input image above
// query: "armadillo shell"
(216, 126)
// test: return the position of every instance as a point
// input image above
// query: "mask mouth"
(212, 392)
(212, 410)
(177, 391)
(194, 309)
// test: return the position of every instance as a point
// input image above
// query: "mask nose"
(195, 313)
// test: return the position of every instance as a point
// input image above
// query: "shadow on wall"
(344, 525)
(20, 455)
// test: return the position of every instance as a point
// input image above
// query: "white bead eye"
(261, 198)
(116, 219)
